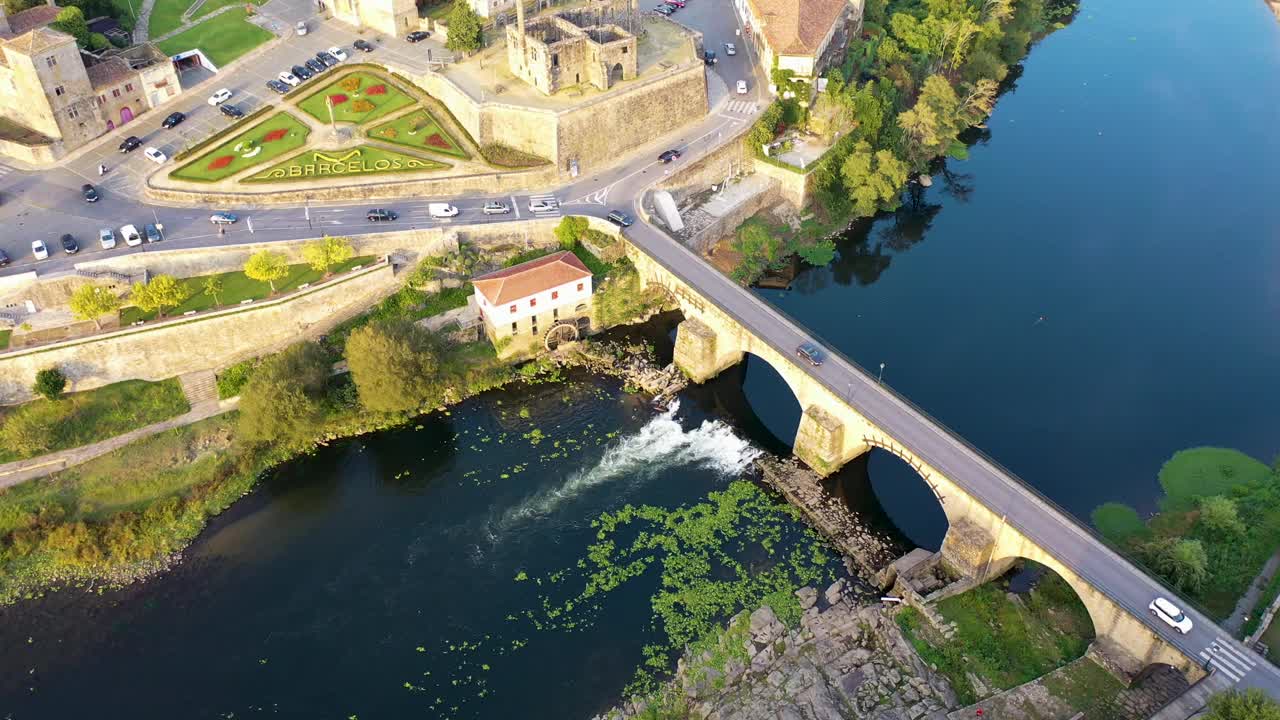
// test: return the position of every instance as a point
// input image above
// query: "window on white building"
(51, 61)
(514, 329)
(580, 286)
(555, 294)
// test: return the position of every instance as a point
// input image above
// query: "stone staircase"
(200, 387)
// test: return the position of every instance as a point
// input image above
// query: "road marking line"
(515, 205)
(1223, 669)
(1225, 646)
(1228, 663)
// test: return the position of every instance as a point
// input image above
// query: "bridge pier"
(702, 354)
(820, 441)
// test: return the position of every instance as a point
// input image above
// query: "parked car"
(155, 155)
(39, 249)
(665, 9)
(709, 57)
(301, 72)
(619, 218)
(810, 353)
(278, 86)
(314, 65)
(130, 144)
(107, 237)
(132, 237)
(441, 210)
(4, 258)
(730, 49)
(1170, 614)
(677, 3)
(69, 245)
(90, 193)
(362, 45)
(220, 97)
(542, 205)
(379, 215)
(288, 79)
(174, 119)
(669, 155)
(301, 28)
(223, 218)
(742, 87)
(338, 53)
(417, 36)
(493, 207)
(152, 231)
(326, 58)
(231, 111)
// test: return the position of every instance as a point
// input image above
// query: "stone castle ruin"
(572, 47)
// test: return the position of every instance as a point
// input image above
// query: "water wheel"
(560, 333)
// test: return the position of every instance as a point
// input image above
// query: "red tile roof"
(530, 278)
(32, 18)
(796, 27)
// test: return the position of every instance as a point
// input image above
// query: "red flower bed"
(376, 90)
(219, 163)
(436, 141)
(274, 135)
(337, 99)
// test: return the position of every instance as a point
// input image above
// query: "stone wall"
(796, 188)
(32, 154)
(160, 351)
(725, 161)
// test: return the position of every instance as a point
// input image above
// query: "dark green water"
(1124, 194)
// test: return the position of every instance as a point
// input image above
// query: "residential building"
(396, 18)
(526, 305)
(803, 36)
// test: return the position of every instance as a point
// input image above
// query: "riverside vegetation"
(922, 73)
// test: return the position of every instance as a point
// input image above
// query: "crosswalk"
(5, 170)
(1228, 660)
(552, 208)
(741, 107)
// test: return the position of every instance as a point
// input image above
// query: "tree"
(213, 288)
(266, 266)
(281, 401)
(570, 230)
(327, 253)
(1252, 704)
(818, 253)
(50, 383)
(873, 180)
(163, 291)
(1118, 522)
(1183, 563)
(932, 123)
(395, 367)
(466, 29)
(1219, 516)
(977, 102)
(71, 21)
(766, 128)
(90, 302)
(760, 250)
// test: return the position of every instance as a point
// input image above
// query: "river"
(1095, 288)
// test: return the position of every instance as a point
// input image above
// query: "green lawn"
(166, 16)
(421, 131)
(363, 160)
(222, 39)
(125, 13)
(439, 10)
(41, 426)
(4, 338)
(212, 6)
(279, 134)
(351, 93)
(236, 286)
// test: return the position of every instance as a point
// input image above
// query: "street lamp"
(880, 378)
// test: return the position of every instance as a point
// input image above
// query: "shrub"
(337, 99)
(221, 162)
(362, 106)
(233, 379)
(376, 90)
(1118, 522)
(435, 140)
(350, 83)
(275, 135)
(35, 428)
(50, 383)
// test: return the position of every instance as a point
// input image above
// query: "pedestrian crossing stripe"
(1228, 660)
(742, 107)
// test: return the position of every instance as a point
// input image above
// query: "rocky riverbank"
(632, 363)
(844, 658)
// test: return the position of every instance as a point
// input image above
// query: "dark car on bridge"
(174, 120)
(669, 155)
(90, 193)
(417, 36)
(810, 353)
(380, 215)
(130, 144)
(362, 45)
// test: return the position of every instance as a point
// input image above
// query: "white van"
(441, 210)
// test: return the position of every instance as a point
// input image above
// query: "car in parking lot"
(107, 237)
(90, 193)
(494, 207)
(231, 111)
(417, 36)
(4, 258)
(362, 45)
(338, 53)
(669, 155)
(742, 87)
(665, 9)
(69, 245)
(1170, 614)
(326, 58)
(619, 218)
(155, 155)
(220, 97)
(223, 218)
(130, 144)
(314, 65)
(301, 72)
(278, 86)
(301, 28)
(39, 249)
(810, 353)
(174, 119)
(288, 79)
(132, 237)
(152, 231)
(677, 3)
(730, 49)
(380, 215)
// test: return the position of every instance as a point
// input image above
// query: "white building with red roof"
(540, 302)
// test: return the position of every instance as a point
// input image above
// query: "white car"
(338, 53)
(220, 97)
(494, 207)
(107, 237)
(288, 79)
(155, 155)
(441, 210)
(543, 205)
(742, 87)
(730, 49)
(132, 237)
(1170, 614)
(39, 249)
(301, 27)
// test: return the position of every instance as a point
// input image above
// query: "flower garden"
(356, 98)
(420, 131)
(359, 161)
(279, 134)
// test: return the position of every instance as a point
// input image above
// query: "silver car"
(496, 208)
(107, 237)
